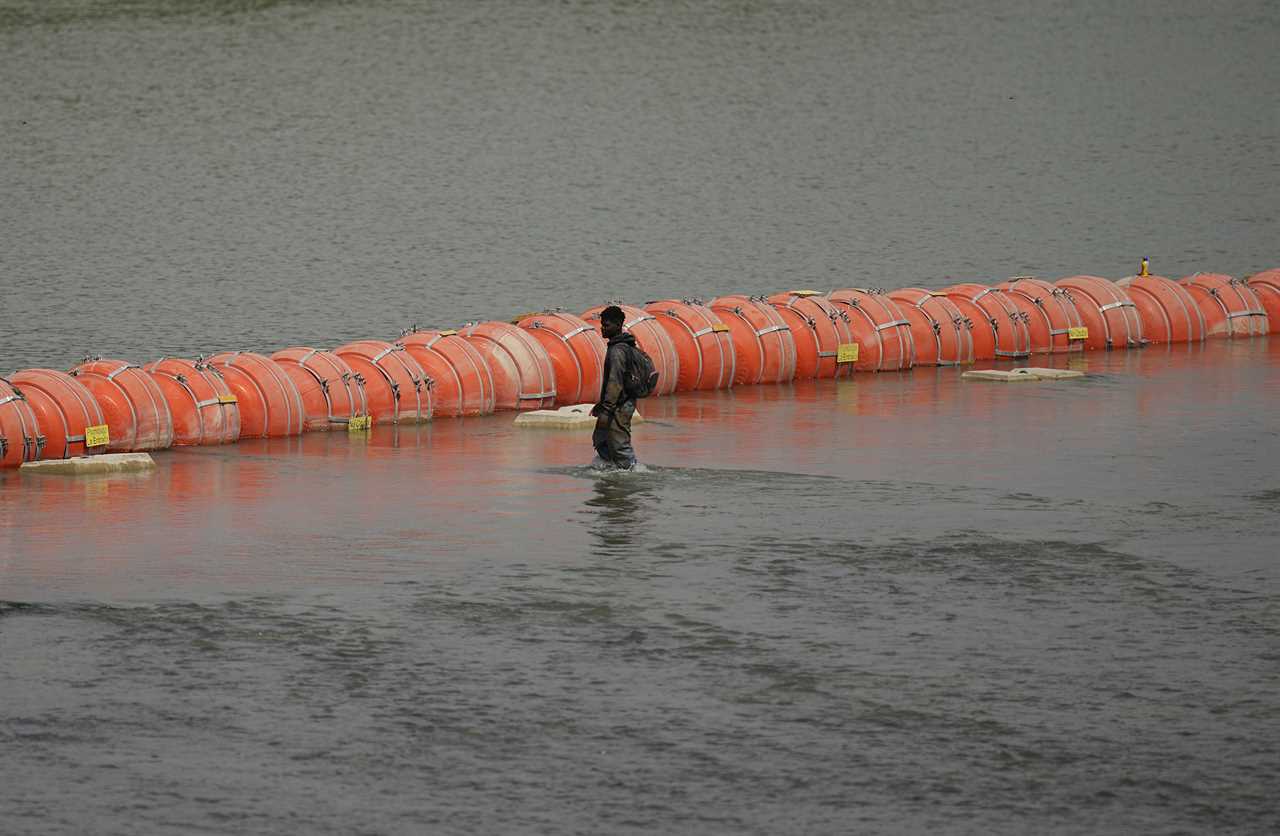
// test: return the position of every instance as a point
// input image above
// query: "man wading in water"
(612, 436)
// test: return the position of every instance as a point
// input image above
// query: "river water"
(899, 603)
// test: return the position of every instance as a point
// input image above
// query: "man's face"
(610, 329)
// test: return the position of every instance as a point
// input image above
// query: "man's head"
(611, 319)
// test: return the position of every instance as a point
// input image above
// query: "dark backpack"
(641, 378)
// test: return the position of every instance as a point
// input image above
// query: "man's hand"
(595, 411)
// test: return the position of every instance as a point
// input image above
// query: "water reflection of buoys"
(395, 385)
(270, 406)
(1106, 310)
(331, 391)
(523, 377)
(1010, 334)
(702, 343)
(940, 332)
(201, 404)
(818, 328)
(1049, 312)
(1266, 285)
(880, 328)
(763, 347)
(133, 407)
(652, 339)
(20, 439)
(63, 409)
(1168, 312)
(1230, 306)
(576, 350)
(462, 383)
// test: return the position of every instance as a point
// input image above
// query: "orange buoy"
(20, 439)
(880, 328)
(202, 406)
(1168, 311)
(1230, 306)
(395, 384)
(1049, 313)
(819, 328)
(703, 346)
(991, 307)
(133, 407)
(461, 382)
(269, 401)
(331, 391)
(940, 333)
(576, 350)
(1266, 285)
(1106, 310)
(523, 376)
(652, 339)
(63, 409)
(763, 348)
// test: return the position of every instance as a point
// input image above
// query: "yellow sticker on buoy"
(99, 436)
(358, 424)
(448, 333)
(1080, 333)
(806, 293)
(847, 353)
(227, 399)
(719, 328)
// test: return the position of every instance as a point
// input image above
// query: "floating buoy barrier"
(269, 403)
(573, 417)
(65, 412)
(880, 328)
(824, 341)
(462, 383)
(1266, 285)
(20, 439)
(1230, 306)
(1053, 323)
(331, 391)
(1107, 312)
(92, 465)
(396, 388)
(764, 349)
(523, 377)
(201, 405)
(576, 350)
(1168, 311)
(941, 335)
(133, 407)
(703, 345)
(990, 307)
(652, 339)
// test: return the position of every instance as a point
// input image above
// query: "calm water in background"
(899, 603)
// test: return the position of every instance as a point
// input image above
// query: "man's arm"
(614, 390)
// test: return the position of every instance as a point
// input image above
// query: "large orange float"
(763, 349)
(652, 339)
(133, 407)
(396, 388)
(1106, 310)
(991, 307)
(1267, 287)
(819, 328)
(702, 343)
(879, 327)
(1168, 311)
(576, 350)
(63, 409)
(940, 333)
(1230, 306)
(523, 376)
(1049, 312)
(461, 382)
(202, 405)
(331, 391)
(20, 439)
(269, 402)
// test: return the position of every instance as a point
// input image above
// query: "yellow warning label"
(719, 328)
(847, 353)
(1080, 333)
(358, 424)
(806, 293)
(448, 333)
(98, 436)
(227, 399)
(937, 293)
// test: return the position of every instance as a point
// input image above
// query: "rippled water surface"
(899, 603)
